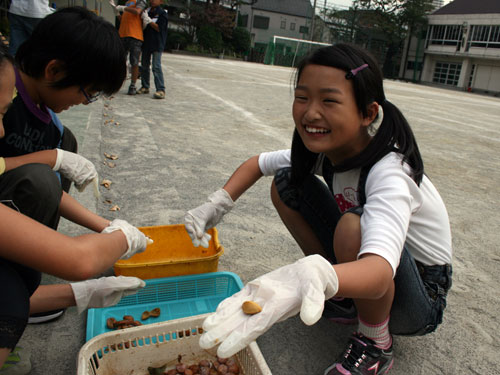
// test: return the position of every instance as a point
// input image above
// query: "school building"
(267, 18)
(460, 48)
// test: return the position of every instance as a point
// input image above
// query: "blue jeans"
(20, 29)
(157, 72)
(420, 291)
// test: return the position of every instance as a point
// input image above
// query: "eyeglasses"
(90, 98)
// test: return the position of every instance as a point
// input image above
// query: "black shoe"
(46, 316)
(132, 90)
(362, 357)
(341, 311)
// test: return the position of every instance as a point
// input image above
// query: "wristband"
(59, 158)
(120, 8)
(2, 165)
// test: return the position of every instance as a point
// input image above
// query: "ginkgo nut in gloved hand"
(299, 287)
(251, 307)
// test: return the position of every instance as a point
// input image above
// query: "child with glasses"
(70, 58)
(31, 199)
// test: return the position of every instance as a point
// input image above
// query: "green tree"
(390, 22)
(214, 15)
(241, 40)
(210, 38)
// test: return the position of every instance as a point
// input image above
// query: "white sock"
(377, 332)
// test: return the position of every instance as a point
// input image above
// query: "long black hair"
(394, 132)
(88, 47)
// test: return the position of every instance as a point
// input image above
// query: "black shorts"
(133, 47)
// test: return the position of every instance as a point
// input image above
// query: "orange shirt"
(131, 24)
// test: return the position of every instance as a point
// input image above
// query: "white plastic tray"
(131, 351)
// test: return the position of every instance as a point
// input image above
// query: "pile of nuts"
(219, 366)
(129, 321)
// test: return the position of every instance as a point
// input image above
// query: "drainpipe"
(312, 21)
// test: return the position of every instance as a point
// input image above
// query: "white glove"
(76, 168)
(117, 8)
(103, 292)
(302, 286)
(146, 20)
(207, 216)
(136, 240)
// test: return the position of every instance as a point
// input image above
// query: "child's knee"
(347, 237)
(39, 183)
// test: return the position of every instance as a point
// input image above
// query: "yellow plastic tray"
(171, 254)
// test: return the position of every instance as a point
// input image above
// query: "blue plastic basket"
(177, 297)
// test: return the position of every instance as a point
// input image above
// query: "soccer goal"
(286, 51)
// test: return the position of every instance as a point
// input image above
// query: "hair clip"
(355, 71)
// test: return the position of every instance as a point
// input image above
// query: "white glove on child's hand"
(302, 286)
(103, 292)
(136, 240)
(146, 20)
(76, 168)
(207, 216)
(117, 8)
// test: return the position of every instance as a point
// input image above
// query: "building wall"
(101, 8)
(276, 21)
(464, 66)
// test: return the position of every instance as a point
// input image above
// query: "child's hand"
(302, 286)
(146, 20)
(76, 168)
(117, 8)
(136, 240)
(105, 291)
(207, 216)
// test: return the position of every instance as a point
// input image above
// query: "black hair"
(88, 47)
(394, 132)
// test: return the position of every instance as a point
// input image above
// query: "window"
(260, 22)
(447, 35)
(283, 24)
(243, 20)
(303, 30)
(485, 36)
(447, 73)
(411, 65)
(292, 26)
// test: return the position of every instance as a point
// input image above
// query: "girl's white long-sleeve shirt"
(397, 212)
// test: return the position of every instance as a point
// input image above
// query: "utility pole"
(312, 21)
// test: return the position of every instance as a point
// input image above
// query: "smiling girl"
(376, 236)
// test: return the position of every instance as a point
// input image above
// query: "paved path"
(174, 152)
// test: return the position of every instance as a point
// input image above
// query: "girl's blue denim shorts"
(420, 294)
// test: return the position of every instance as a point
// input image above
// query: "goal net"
(286, 51)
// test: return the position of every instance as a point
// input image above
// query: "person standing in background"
(23, 16)
(131, 34)
(155, 37)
